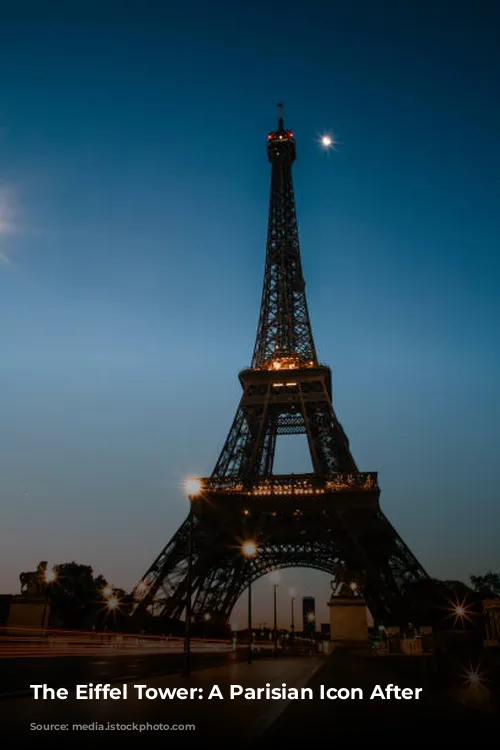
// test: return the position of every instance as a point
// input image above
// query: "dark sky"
(133, 206)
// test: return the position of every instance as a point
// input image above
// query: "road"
(440, 714)
(202, 721)
(17, 674)
(64, 659)
(458, 714)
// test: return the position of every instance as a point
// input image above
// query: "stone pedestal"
(348, 620)
(491, 609)
(28, 613)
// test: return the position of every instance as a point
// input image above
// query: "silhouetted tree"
(32, 581)
(458, 589)
(487, 585)
(434, 602)
(75, 594)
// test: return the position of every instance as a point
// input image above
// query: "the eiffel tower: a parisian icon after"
(329, 519)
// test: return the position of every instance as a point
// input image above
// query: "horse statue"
(32, 581)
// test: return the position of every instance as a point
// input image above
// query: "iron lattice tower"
(329, 519)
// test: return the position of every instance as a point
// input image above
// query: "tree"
(458, 589)
(33, 581)
(487, 585)
(74, 593)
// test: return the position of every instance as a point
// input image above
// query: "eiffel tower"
(329, 519)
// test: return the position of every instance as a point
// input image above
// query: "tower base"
(348, 621)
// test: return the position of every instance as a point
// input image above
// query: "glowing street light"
(275, 576)
(353, 586)
(473, 677)
(50, 576)
(192, 486)
(292, 602)
(142, 588)
(476, 683)
(460, 610)
(113, 603)
(107, 592)
(249, 550)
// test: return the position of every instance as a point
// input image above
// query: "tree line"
(80, 599)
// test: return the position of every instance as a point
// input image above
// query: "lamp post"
(193, 488)
(275, 650)
(249, 657)
(49, 577)
(249, 550)
(107, 593)
(311, 618)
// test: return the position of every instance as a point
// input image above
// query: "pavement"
(458, 716)
(233, 723)
(459, 713)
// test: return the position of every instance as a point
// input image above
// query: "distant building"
(309, 615)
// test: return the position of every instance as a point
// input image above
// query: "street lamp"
(193, 487)
(249, 550)
(275, 577)
(311, 619)
(107, 592)
(275, 653)
(49, 576)
(292, 601)
(142, 588)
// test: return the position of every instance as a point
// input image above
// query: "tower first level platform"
(331, 523)
(286, 495)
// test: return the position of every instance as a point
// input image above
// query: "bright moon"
(326, 141)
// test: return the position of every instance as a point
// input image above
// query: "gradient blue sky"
(133, 209)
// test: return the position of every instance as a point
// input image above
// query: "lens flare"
(192, 486)
(249, 549)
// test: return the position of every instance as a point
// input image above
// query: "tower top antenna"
(280, 119)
